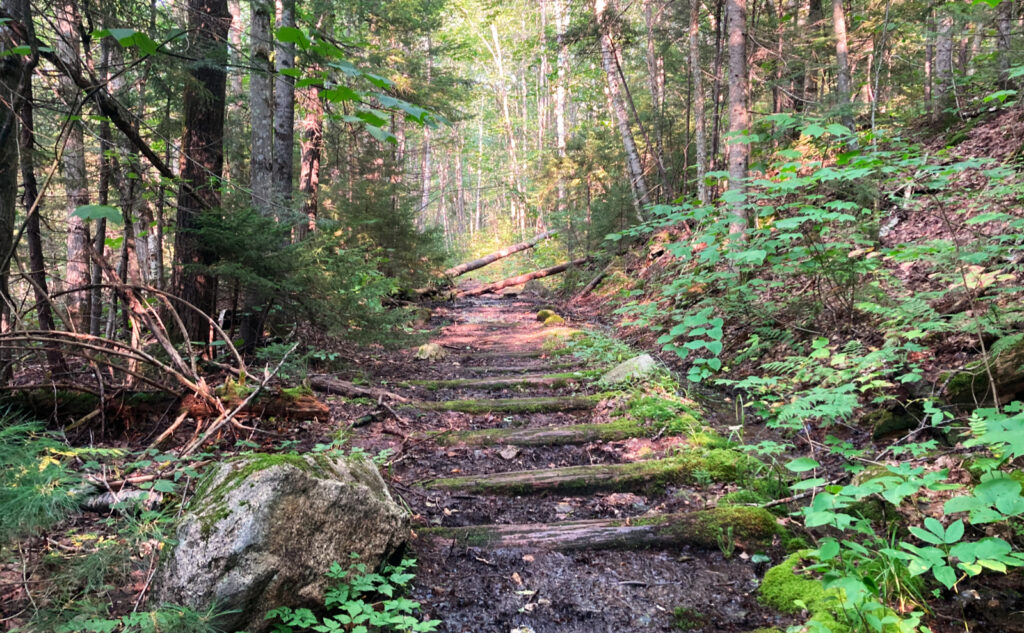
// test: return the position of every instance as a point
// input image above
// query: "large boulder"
(637, 367)
(262, 531)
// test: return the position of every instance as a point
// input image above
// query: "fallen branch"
(593, 282)
(522, 279)
(461, 269)
(329, 385)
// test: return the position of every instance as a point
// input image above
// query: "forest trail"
(533, 510)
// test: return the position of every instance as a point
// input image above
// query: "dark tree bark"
(10, 79)
(309, 165)
(202, 159)
(19, 9)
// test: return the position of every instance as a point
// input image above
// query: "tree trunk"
(739, 116)
(603, 11)
(30, 200)
(202, 159)
(656, 86)
(843, 81)
(261, 98)
(943, 66)
(518, 211)
(522, 279)
(235, 118)
(1004, 17)
(815, 18)
(561, 25)
(462, 269)
(284, 113)
(425, 175)
(700, 125)
(10, 80)
(73, 163)
(309, 167)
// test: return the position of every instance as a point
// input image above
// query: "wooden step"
(553, 381)
(511, 405)
(727, 527)
(713, 465)
(544, 435)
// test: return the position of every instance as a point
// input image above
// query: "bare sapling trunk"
(739, 115)
(73, 163)
(309, 165)
(843, 81)
(603, 11)
(700, 124)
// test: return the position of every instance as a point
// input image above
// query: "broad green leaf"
(802, 464)
(98, 212)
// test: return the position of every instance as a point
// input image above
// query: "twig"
(228, 416)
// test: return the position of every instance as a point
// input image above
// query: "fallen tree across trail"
(464, 268)
(522, 279)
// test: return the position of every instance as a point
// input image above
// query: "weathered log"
(553, 381)
(716, 464)
(558, 435)
(511, 405)
(66, 404)
(748, 528)
(461, 269)
(522, 279)
(326, 384)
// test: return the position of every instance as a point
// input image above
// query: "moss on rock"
(787, 586)
(545, 314)
(553, 320)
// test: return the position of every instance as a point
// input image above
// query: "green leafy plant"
(361, 602)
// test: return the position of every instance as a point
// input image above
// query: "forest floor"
(502, 548)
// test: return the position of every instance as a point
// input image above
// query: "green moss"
(554, 319)
(209, 499)
(295, 393)
(545, 314)
(787, 583)
(742, 498)
(687, 618)
(747, 524)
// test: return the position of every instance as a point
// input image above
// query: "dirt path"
(603, 548)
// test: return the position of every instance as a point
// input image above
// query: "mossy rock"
(262, 531)
(545, 314)
(431, 352)
(553, 320)
(884, 422)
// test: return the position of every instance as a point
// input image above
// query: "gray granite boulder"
(640, 366)
(262, 531)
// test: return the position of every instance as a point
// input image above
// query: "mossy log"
(65, 404)
(972, 385)
(750, 527)
(519, 369)
(511, 405)
(544, 435)
(715, 464)
(553, 381)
